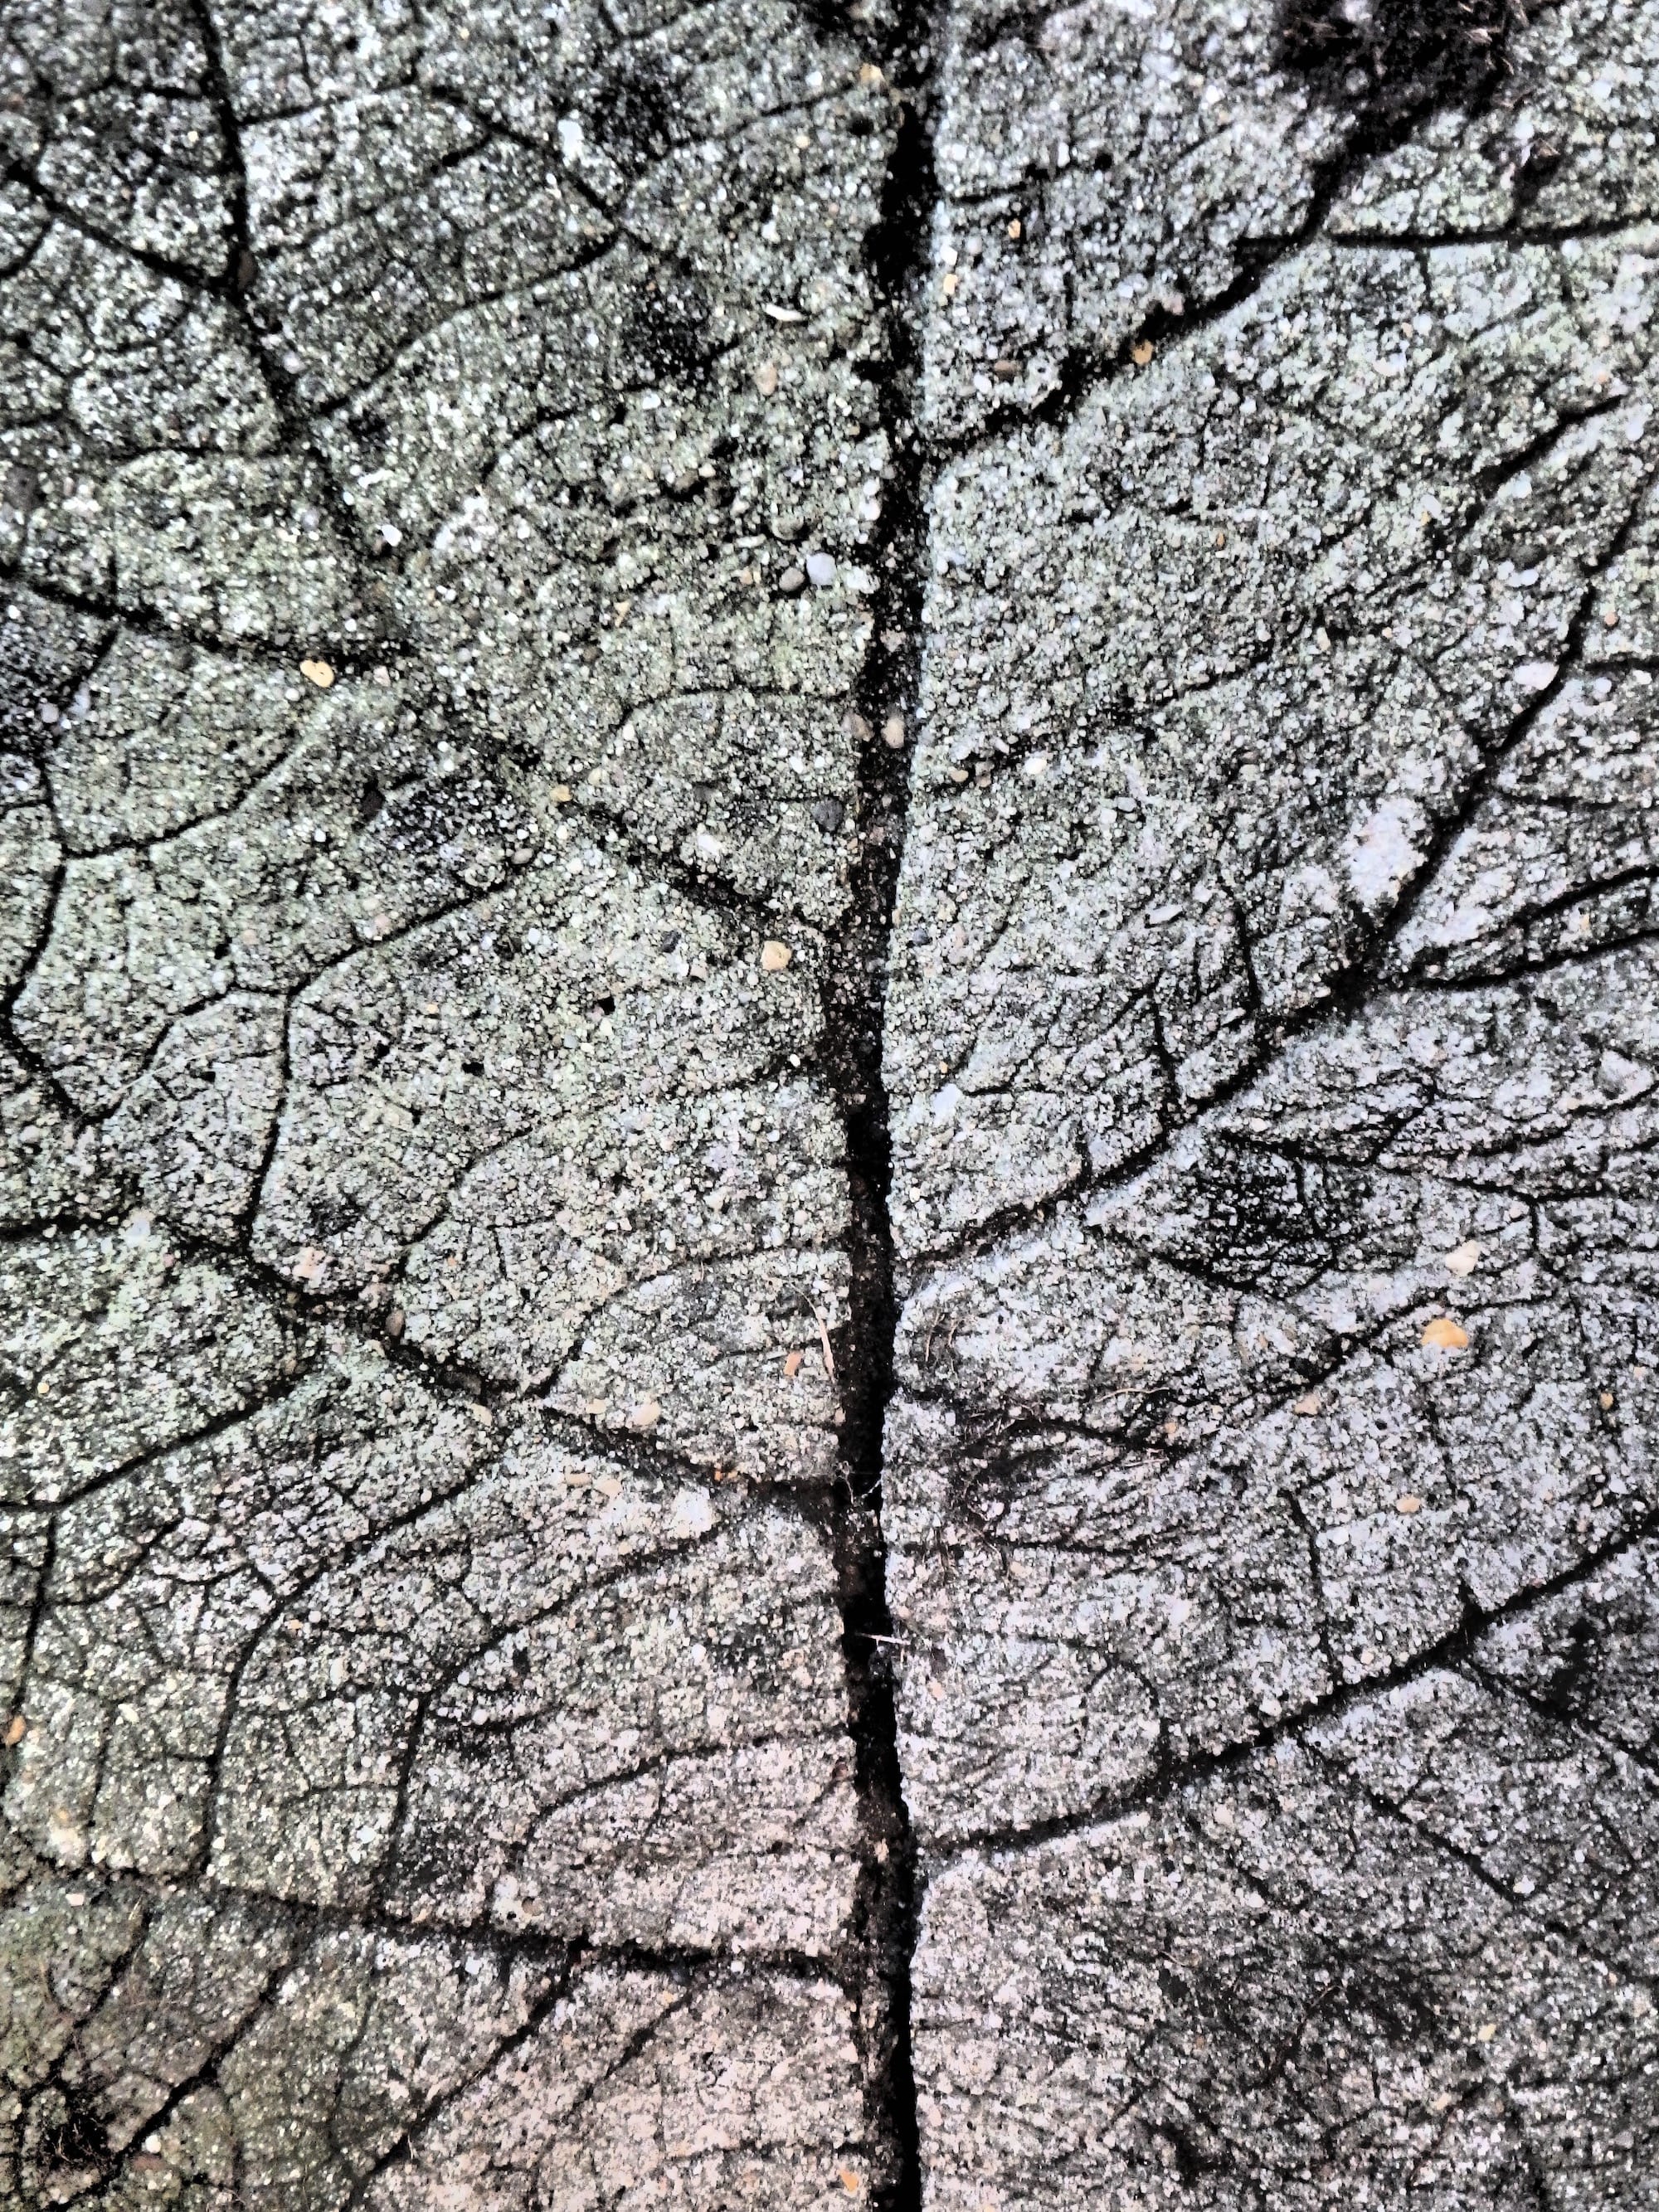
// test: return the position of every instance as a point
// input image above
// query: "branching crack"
(1398, 92)
(873, 1969)
(1176, 1774)
(855, 998)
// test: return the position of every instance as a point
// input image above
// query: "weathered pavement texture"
(830, 1087)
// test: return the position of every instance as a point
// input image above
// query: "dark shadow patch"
(632, 119)
(21, 493)
(71, 2138)
(1257, 1219)
(371, 432)
(427, 1858)
(1192, 2164)
(333, 1215)
(828, 19)
(666, 335)
(1567, 1693)
(46, 655)
(1398, 58)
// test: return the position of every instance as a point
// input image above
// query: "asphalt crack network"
(492, 609)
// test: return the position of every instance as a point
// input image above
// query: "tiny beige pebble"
(1444, 1334)
(775, 956)
(790, 581)
(892, 732)
(766, 378)
(318, 672)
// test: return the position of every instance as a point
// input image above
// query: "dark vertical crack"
(241, 274)
(37, 1613)
(896, 255)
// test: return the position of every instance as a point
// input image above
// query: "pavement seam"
(896, 254)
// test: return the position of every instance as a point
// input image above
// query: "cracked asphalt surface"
(829, 1079)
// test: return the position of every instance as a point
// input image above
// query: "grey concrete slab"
(828, 1090)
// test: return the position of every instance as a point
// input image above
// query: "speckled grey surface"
(830, 1081)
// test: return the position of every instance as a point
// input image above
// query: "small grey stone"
(821, 570)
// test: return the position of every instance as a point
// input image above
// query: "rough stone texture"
(1272, 1056)
(434, 1778)
(828, 1069)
